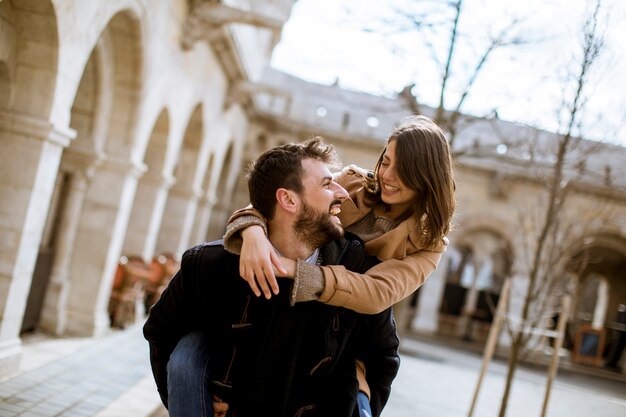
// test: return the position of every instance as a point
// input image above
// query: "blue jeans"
(364, 405)
(188, 378)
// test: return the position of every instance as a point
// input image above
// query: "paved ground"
(110, 377)
(82, 377)
(439, 381)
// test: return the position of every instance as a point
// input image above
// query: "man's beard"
(316, 229)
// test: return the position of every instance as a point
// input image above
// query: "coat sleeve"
(379, 287)
(170, 319)
(238, 221)
(378, 348)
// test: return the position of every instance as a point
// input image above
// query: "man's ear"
(287, 200)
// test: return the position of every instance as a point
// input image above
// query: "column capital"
(83, 161)
(122, 165)
(198, 192)
(161, 180)
(36, 128)
(211, 199)
(189, 192)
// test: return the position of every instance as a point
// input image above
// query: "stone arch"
(486, 221)
(221, 190)
(598, 267)
(78, 164)
(124, 32)
(487, 244)
(201, 222)
(29, 26)
(102, 182)
(476, 266)
(182, 201)
(151, 195)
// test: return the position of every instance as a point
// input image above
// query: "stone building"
(125, 127)
(120, 133)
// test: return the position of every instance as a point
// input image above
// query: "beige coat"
(405, 266)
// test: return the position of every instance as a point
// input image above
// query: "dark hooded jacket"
(286, 361)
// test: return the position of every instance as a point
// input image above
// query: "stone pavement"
(110, 377)
(82, 377)
(439, 381)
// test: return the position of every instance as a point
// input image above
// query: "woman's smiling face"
(393, 191)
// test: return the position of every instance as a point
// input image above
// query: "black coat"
(288, 359)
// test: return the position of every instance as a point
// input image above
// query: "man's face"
(317, 222)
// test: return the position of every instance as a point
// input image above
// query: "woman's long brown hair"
(424, 164)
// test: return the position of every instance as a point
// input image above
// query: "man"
(264, 357)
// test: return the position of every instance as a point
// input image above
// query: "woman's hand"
(259, 263)
(289, 268)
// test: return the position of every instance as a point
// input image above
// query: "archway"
(222, 207)
(600, 290)
(201, 222)
(476, 269)
(151, 195)
(28, 79)
(180, 209)
(100, 162)
(76, 169)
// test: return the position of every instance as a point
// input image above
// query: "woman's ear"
(287, 200)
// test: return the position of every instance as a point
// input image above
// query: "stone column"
(176, 226)
(30, 153)
(602, 303)
(146, 215)
(98, 245)
(82, 167)
(156, 219)
(188, 220)
(217, 220)
(427, 316)
(203, 218)
(471, 300)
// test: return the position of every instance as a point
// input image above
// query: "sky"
(324, 42)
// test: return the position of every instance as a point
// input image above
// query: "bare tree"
(455, 84)
(546, 230)
(506, 36)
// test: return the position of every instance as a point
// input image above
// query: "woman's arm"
(369, 293)
(246, 235)
(237, 223)
(380, 287)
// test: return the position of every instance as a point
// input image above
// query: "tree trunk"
(512, 365)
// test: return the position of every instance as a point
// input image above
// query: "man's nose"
(340, 192)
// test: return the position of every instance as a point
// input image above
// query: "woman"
(402, 210)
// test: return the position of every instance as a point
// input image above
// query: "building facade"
(121, 133)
